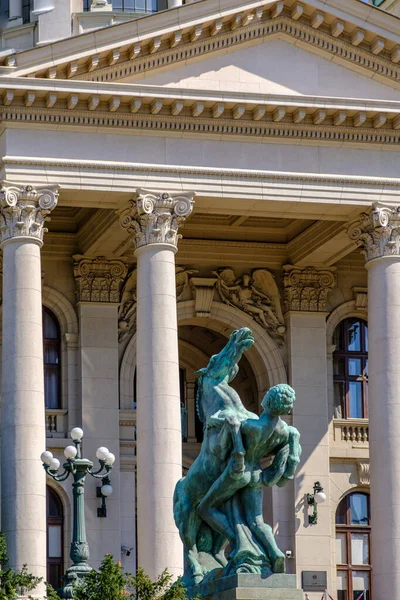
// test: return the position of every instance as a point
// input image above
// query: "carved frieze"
(25, 209)
(306, 289)
(256, 294)
(377, 232)
(99, 279)
(155, 218)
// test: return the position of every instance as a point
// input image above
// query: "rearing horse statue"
(208, 507)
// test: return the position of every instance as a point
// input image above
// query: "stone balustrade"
(56, 422)
(354, 431)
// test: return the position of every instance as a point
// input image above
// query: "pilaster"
(306, 291)
(98, 283)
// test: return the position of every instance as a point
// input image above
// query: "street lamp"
(318, 497)
(78, 467)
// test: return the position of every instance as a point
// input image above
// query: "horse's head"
(224, 364)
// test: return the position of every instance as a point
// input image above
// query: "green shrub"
(14, 583)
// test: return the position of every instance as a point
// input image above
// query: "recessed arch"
(62, 308)
(344, 311)
(264, 357)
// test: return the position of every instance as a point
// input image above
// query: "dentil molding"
(155, 218)
(377, 232)
(24, 210)
(307, 289)
(98, 279)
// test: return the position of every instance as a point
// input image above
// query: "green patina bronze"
(219, 502)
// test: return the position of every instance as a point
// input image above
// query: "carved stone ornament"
(307, 289)
(24, 210)
(256, 294)
(155, 218)
(377, 233)
(363, 469)
(98, 279)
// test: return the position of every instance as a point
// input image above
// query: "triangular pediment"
(275, 66)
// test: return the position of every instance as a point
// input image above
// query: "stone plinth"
(244, 586)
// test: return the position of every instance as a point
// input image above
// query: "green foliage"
(108, 583)
(13, 583)
(111, 583)
(143, 588)
(51, 592)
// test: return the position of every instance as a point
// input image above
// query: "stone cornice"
(174, 112)
(377, 232)
(157, 41)
(24, 211)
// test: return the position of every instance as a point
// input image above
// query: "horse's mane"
(199, 395)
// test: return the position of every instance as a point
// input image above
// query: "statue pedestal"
(244, 586)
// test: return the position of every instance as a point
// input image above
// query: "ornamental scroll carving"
(155, 218)
(307, 289)
(256, 294)
(377, 233)
(98, 279)
(25, 209)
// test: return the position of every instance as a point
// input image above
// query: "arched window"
(350, 369)
(353, 548)
(52, 360)
(55, 542)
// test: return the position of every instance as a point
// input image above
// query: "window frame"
(52, 367)
(53, 520)
(348, 529)
(345, 378)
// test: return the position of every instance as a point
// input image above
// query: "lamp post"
(78, 467)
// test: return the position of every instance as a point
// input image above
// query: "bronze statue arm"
(274, 473)
(293, 458)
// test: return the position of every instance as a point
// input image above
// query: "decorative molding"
(155, 218)
(24, 210)
(256, 294)
(333, 43)
(360, 298)
(364, 472)
(377, 233)
(203, 292)
(120, 119)
(98, 279)
(307, 289)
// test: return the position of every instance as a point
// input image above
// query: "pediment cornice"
(149, 108)
(203, 28)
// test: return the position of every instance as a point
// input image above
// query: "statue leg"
(252, 502)
(188, 532)
(219, 544)
(222, 489)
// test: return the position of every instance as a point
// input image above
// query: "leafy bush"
(111, 583)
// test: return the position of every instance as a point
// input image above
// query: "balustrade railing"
(56, 422)
(354, 431)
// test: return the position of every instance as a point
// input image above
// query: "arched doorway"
(55, 535)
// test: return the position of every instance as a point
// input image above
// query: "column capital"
(99, 279)
(377, 232)
(154, 218)
(24, 210)
(306, 289)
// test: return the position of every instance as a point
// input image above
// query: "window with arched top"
(350, 369)
(353, 530)
(51, 359)
(55, 535)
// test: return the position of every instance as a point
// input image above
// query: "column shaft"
(23, 480)
(159, 443)
(384, 414)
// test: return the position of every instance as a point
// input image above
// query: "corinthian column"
(378, 234)
(24, 211)
(154, 220)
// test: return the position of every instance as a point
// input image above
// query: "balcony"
(56, 423)
(350, 438)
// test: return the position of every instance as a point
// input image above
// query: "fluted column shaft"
(154, 220)
(23, 481)
(377, 233)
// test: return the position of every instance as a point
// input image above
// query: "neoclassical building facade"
(266, 135)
